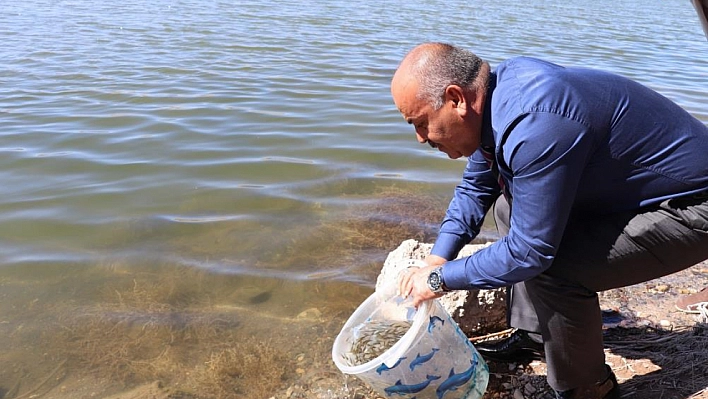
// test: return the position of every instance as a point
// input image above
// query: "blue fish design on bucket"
(401, 389)
(410, 313)
(410, 310)
(434, 320)
(420, 359)
(383, 367)
(455, 381)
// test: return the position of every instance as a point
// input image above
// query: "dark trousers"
(599, 253)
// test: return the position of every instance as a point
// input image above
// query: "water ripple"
(197, 113)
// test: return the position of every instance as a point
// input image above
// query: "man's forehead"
(409, 107)
(405, 90)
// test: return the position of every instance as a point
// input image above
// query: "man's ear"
(455, 96)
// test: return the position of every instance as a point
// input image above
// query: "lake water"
(201, 192)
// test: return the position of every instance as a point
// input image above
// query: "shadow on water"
(260, 298)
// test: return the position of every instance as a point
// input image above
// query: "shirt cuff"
(454, 276)
(447, 246)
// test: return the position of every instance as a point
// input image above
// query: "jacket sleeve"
(547, 154)
(472, 198)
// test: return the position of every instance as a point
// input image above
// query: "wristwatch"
(435, 281)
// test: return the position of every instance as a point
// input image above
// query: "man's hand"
(413, 281)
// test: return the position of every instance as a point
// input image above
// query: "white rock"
(476, 311)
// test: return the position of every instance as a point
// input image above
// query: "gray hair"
(440, 65)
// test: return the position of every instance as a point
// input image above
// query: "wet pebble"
(662, 288)
(309, 314)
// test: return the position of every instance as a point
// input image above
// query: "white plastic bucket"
(434, 359)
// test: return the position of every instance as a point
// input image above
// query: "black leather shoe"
(518, 347)
(606, 389)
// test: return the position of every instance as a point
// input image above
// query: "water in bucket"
(408, 353)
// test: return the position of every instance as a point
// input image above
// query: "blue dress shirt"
(566, 140)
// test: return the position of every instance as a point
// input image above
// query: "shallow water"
(200, 172)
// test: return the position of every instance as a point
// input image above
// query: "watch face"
(435, 281)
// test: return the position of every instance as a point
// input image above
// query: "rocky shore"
(656, 351)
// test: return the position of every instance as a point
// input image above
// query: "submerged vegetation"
(163, 329)
(203, 334)
(365, 234)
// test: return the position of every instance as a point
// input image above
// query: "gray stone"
(477, 312)
(529, 389)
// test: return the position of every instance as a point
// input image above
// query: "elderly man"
(596, 181)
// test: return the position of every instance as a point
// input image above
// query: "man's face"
(446, 128)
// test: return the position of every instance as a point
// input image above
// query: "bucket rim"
(390, 356)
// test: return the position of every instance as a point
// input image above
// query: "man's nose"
(421, 139)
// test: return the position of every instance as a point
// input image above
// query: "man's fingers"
(412, 282)
(408, 288)
(403, 283)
